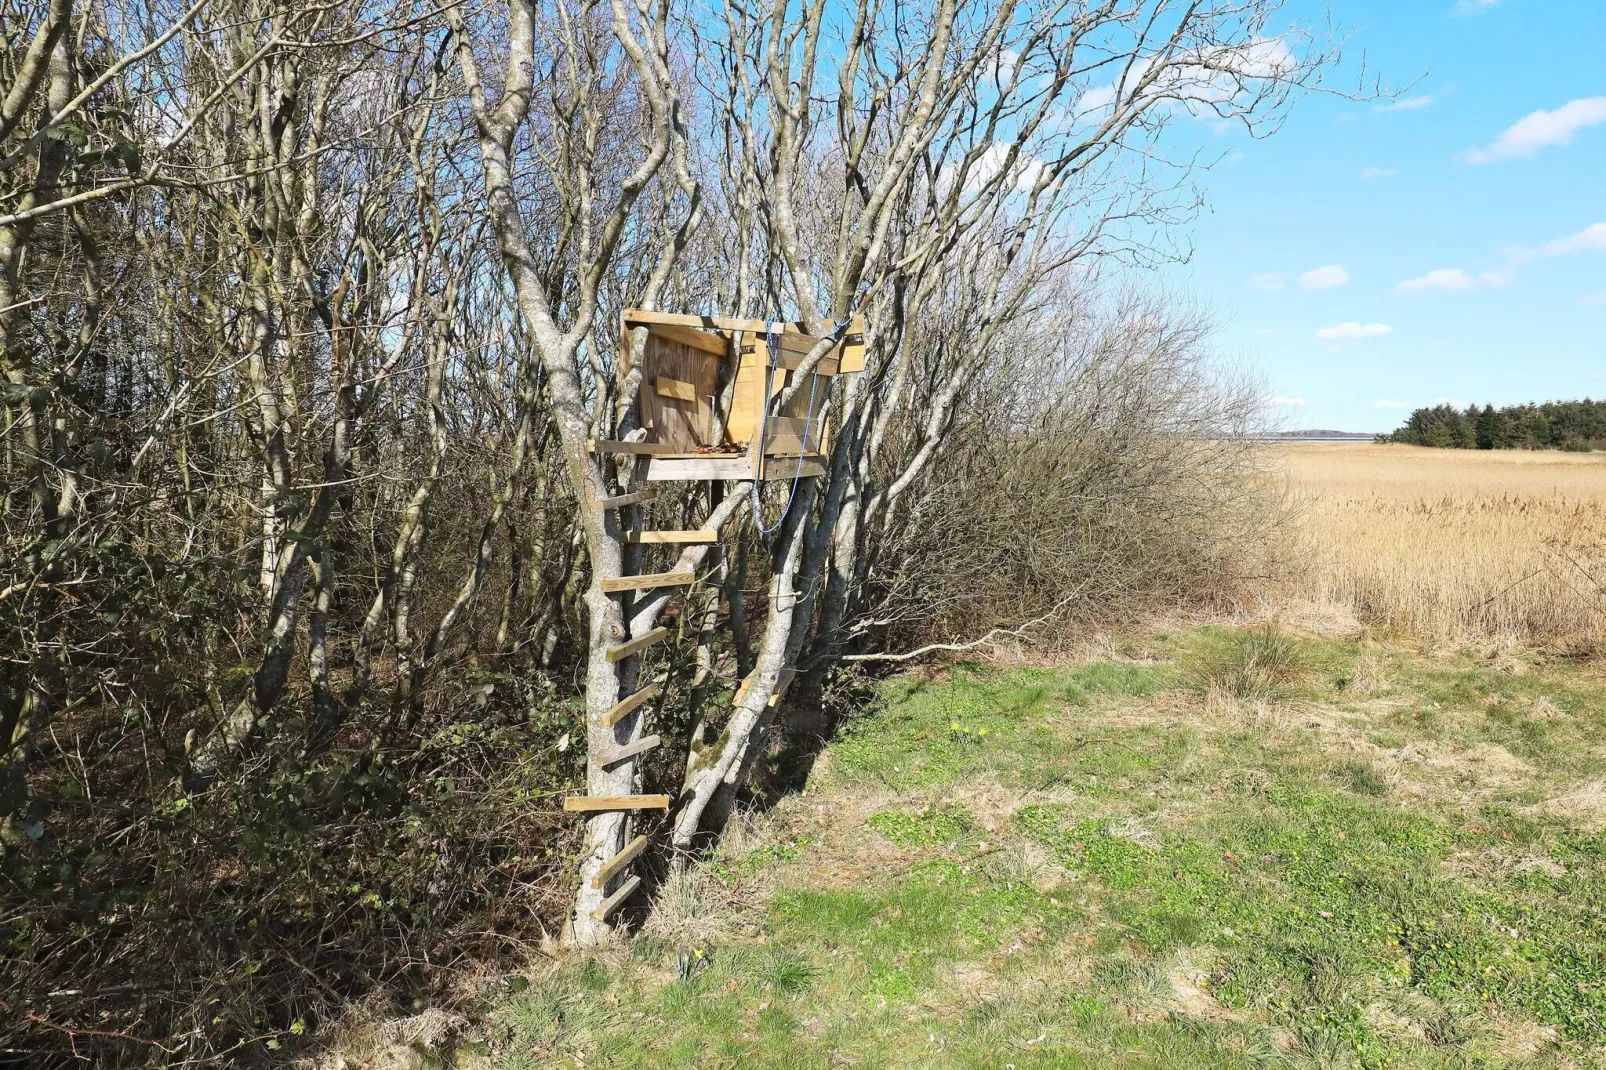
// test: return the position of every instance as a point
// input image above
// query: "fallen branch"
(1018, 632)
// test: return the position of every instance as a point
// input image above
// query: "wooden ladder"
(630, 704)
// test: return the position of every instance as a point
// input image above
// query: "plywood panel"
(677, 386)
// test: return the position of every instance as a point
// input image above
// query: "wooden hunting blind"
(705, 385)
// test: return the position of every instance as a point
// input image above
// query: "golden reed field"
(1453, 544)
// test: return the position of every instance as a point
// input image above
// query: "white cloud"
(1593, 300)
(1474, 7)
(1004, 67)
(1592, 239)
(1378, 172)
(1324, 278)
(1353, 332)
(1386, 404)
(1452, 280)
(1025, 170)
(1543, 129)
(1454, 403)
(1266, 282)
(1290, 403)
(1205, 82)
(1408, 103)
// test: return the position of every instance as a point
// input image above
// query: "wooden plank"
(700, 535)
(782, 682)
(641, 317)
(637, 645)
(622, 708)
(590, 804)
(707, 466)
(784, 445)
(706, 341)
(610, 904)
(677, 383)
(640, 449)
(621, 500)
(678, 389)
(791, 356)
(629, 750)
(612, 866)
(650, 579)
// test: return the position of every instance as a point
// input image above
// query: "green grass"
(1094, 867)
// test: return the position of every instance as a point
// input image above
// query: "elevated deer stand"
(705, 381)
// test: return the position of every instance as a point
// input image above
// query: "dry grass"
(1456, 544)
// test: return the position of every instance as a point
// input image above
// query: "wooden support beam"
(650, 579)
(640, 449)
(637, 645)
(659, 537)
(594, 803)
(623, 707)
(612, 866)
(636, 317)
(610, 904)
(629, 750)
(622, 500)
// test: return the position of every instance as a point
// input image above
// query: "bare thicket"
(309, 315)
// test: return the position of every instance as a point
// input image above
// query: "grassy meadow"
(1454, 544)
(1205, 848)
(1364, 837)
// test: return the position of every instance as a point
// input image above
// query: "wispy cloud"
(1452, 280)
(1368, 174)
(1454, 403)
(1592, 239)
(1325, 277)
(1393, 405)
(1593, 300)
(1288, 403)
(1352, 331)
(1542, 130)
(1266, 282)
(1474, 7)
(1416, 103)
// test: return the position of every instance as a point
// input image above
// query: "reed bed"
(1455, 544)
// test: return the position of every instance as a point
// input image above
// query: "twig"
(74, 1034)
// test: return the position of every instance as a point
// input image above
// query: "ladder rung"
(629, 750)
(622, 708)
(612, 866)
(610, 904)
(619, 501)
(651, 579)
(636, 645)
(698, 535)
(593, 803)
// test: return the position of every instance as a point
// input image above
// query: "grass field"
(1450, 544)
(1377, 858)
(1371, 836)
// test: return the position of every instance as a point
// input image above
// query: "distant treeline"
(1551, 425)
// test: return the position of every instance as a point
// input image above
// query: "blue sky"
(1311, 240)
